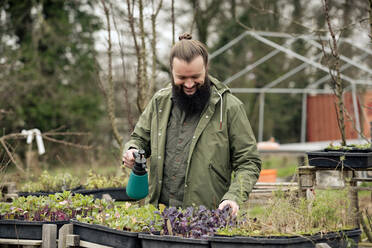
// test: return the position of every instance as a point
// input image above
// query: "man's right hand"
(128, 158)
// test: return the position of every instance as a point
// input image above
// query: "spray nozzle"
(139, 167)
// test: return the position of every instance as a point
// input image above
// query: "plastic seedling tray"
(19, 229)
(118, 194)
(160, 241)
(102, 235)
(339, 159)
(334, 239)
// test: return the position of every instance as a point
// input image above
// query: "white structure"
(262, 36)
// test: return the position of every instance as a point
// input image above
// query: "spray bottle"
(138, 184)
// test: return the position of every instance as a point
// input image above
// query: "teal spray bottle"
(138, 183)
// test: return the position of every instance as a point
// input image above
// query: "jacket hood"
(220, 87)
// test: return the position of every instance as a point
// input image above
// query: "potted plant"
(118, 225)
(23, 218)
(47, 184)
(98, 185)
(191, 227)
(291, 222)
(349, 156)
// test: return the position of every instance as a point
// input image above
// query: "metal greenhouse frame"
(311, 88)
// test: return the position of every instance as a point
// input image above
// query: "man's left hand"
(234, 206)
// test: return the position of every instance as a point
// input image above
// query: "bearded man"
(201, 146)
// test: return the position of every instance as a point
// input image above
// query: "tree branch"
(173, 23)
(153, 50)
(45, 136)
(110, 91)
(10, 155)
(143, 97)
(337, 83)
(122, 57)
(138, 52)
(311, 30)
(370, 21)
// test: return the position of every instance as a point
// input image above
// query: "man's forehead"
(189, 73)
(184, 68)
(197, 61)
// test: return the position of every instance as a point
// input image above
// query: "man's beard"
(195, 103)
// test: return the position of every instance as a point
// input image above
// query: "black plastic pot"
(106, 236)
(335, 239)
(332, 159)
(160, 241)
(118, 194)
(19, 229)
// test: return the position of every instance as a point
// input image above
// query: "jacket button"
(185, 185)
(159, 157)
(159, 134)
(160, 110)
(207, 116)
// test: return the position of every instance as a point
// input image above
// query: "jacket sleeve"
(140, 137)
(245, 161)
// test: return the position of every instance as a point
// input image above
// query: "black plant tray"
(331, 159)
(160, 241)
(334, 239)
(25, 194)
(106, 236)
(118, 194)
(20, 229)
(44, 193)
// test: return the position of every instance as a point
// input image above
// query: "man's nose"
(189, 83)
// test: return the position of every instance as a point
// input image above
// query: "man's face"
(189, 76)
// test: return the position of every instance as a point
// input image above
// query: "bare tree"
(337, 84)
(145, 88)
(154, 14)
(124, 82)
(173, 23)
(370, 19)
(109, 91)
(203, 17)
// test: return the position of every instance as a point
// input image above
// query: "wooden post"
(63, 232)
(72, 240)
(306, 177)
(49, 236)
(352, 193)
(32, 161)
(29, 159)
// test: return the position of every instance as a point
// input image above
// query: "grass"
(286, 214)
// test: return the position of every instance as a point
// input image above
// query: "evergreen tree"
(47, 52)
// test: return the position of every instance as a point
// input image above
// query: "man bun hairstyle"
(188, 49)
(185, 36)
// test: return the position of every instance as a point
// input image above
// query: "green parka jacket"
(223, 143)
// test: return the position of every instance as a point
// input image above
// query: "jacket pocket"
(218, 174)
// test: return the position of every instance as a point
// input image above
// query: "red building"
(322, 118)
